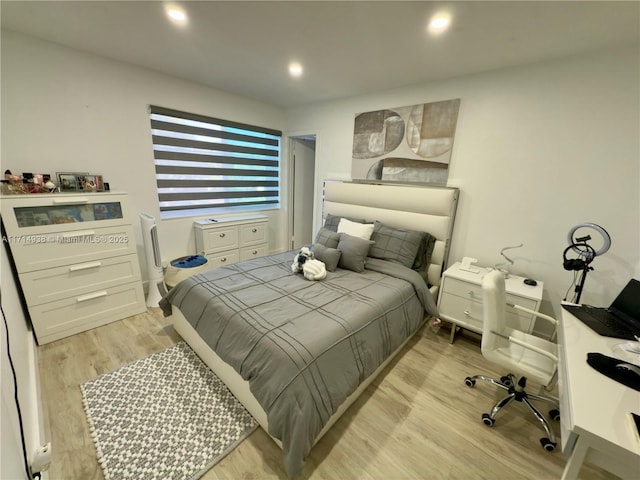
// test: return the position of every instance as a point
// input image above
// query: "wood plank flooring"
(417, 420)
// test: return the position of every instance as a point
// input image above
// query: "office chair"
(527, 356)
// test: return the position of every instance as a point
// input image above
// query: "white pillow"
(360, 230)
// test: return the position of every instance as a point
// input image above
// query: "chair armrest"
(534, 349)
(537, 314)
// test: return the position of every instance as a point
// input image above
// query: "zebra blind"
(207, 165)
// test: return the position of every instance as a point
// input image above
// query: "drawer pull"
(254, 230)
(60, 201)
(84, 266)
(91, 296)
(467, 313)
(222, 235)
(223, 259)
(81, 233)
(255, 252)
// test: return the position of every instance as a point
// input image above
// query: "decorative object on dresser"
(165, 416)
(229, 240)
(76, 260)
(460, 299)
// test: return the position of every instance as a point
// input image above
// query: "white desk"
(593, 408)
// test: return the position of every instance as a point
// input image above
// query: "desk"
(593, 408)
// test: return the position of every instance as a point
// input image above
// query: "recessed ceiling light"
(439, 23)
(176, 14)
(295, 69)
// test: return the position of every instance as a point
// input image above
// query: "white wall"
(66, 111)
(24, 357)
(538, 149)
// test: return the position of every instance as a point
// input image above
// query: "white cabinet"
(76, 260)
(229, 240)
(460, 300)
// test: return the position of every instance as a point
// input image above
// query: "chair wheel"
(547, 444)
(487, 420)
(506, 380)
(469, 382)
(555, 414)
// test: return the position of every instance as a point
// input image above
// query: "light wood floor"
(418, 420)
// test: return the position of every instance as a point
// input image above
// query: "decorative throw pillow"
(329, 256)
(354, 252)
(423, 257)
(332, 221)
(360, 230)
(395, 244)
(327, 238)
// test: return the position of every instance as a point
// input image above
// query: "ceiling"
(346, 48)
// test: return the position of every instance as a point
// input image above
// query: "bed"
(297, 353)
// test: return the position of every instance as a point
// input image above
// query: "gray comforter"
(303, 346)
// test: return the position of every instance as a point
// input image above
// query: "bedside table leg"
(453, 332)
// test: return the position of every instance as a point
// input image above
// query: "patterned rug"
(166, 416)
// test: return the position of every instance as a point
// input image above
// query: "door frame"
(290, 178)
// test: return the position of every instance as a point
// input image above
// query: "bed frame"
(429, 209)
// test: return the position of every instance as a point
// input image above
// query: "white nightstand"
(460, 300)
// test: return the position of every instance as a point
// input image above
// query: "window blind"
(206, 164)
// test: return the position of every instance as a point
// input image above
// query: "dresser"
(460, 300)
(224, 241)
(76, 259)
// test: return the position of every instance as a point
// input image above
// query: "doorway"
(302, 173)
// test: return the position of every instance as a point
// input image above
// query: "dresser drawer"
(253, 252)
(219, 239)
(37, 252)
(223, 258)
(71, 280)
(253, 233)
(65, 317)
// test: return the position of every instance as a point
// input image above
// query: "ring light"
(586, 254)
(606, 239)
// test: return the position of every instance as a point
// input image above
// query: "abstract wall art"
(405, 144)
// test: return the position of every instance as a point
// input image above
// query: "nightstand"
(460, 300)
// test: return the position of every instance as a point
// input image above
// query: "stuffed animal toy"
(314, 270)
(301, 257)
(311, 268)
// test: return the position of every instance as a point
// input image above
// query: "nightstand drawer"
(463, 311)
(462, 288)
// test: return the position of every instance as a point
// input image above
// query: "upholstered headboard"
(423, 208)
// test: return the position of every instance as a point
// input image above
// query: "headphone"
(585, 250)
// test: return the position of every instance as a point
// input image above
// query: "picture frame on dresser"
(68, 181)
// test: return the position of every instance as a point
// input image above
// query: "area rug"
(166, 416)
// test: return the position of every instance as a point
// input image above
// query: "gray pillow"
(423, 257)
(354, 252)
(395, 244)
(327, 238)
(332, 221)
(329, 256)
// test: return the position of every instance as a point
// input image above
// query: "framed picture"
(90, 183)
(68, 182)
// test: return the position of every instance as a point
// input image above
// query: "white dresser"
(460, 299)
(229, 240)
(76, 259)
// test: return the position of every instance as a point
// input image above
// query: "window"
(206, 165)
